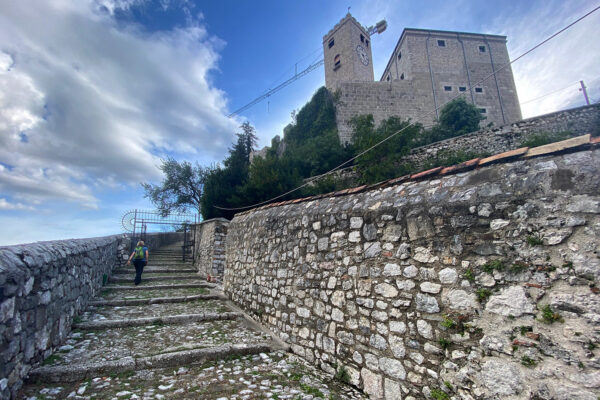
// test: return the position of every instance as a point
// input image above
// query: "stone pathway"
(174, 336)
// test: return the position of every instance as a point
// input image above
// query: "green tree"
(381, 162)
(456, 118)
(181, 188)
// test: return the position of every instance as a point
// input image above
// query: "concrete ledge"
(156, 300)
(73, 373)
(167, 320)
(180, 286)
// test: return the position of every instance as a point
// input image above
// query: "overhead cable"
(316, 177)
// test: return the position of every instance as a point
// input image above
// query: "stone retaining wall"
(210, 247)
(480, 285)
(42, 287)
(578, 121)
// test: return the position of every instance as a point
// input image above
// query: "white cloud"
(6, 205)
(86, 102)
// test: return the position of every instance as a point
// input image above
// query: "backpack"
(139, 253)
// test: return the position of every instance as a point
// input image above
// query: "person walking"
(140, 259)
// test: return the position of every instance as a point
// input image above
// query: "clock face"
(362, 54)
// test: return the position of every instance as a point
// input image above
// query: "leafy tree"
(460, 117)
(181, 188)
(381, 162)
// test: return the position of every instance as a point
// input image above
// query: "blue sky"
(94, 93)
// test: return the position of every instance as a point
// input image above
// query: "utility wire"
(470, 88)
(549, 93)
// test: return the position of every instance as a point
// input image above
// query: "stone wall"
(42, 287)
(209, 255)
(481, 285)
(578, 121)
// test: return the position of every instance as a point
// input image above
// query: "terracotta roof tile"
(424, 174)
(503, 156)
(595, 140)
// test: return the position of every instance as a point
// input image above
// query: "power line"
(549, 93)
(470, 88)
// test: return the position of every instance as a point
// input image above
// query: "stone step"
(129, 279)
(103, 313)
(115, 343)
(165, 320)
(265, 375)
(157, 287)
(79, 371)
(150, 291)
(155, 300)
(157, 270)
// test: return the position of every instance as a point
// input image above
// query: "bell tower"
(347, 53)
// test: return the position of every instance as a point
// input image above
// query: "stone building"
(426, 69)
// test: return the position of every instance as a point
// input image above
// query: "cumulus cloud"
(87, 102)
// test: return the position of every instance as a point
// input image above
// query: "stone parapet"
(209, 253)
(43, 286)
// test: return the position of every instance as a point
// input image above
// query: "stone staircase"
(173, 336)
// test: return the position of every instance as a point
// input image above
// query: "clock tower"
(347, 54)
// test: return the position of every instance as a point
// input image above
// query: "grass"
(445, 343)
(448, 322)
(52, 359)
(518, 267)
(534, 240)
(525, 329)
(342, 375)
(438, 394)
(528, 361)
(311, 390)
(549, 316)
(493, 265)
(543, 138)
(483, 294)
(469, 275)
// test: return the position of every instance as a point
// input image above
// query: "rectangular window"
(482, 110)
(442, 43)
(388, 78)
(367, 43)
(478, 90)
(362, 38)
(482, 49)
(402, 77)
(462, 89)
(447, 88)
(331, 43)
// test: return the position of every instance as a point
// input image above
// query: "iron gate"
(137, 221)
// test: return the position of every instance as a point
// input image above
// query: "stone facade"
(43, 286)
(342, 46)
(481, 285)
(427, 69)
(209, 240)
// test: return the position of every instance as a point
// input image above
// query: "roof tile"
(429, 172)
(505, 155)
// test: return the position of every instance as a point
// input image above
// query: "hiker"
(140, 259)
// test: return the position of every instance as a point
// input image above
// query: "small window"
(336, 62)
(399, 55)
(441, 43)
(462, 89)
(362, 38)
(367, 43)
(483, 110)
(478, 90)
(402, 77)
(482, 49)
(388, 78)
(331, 43)
(447, 88)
